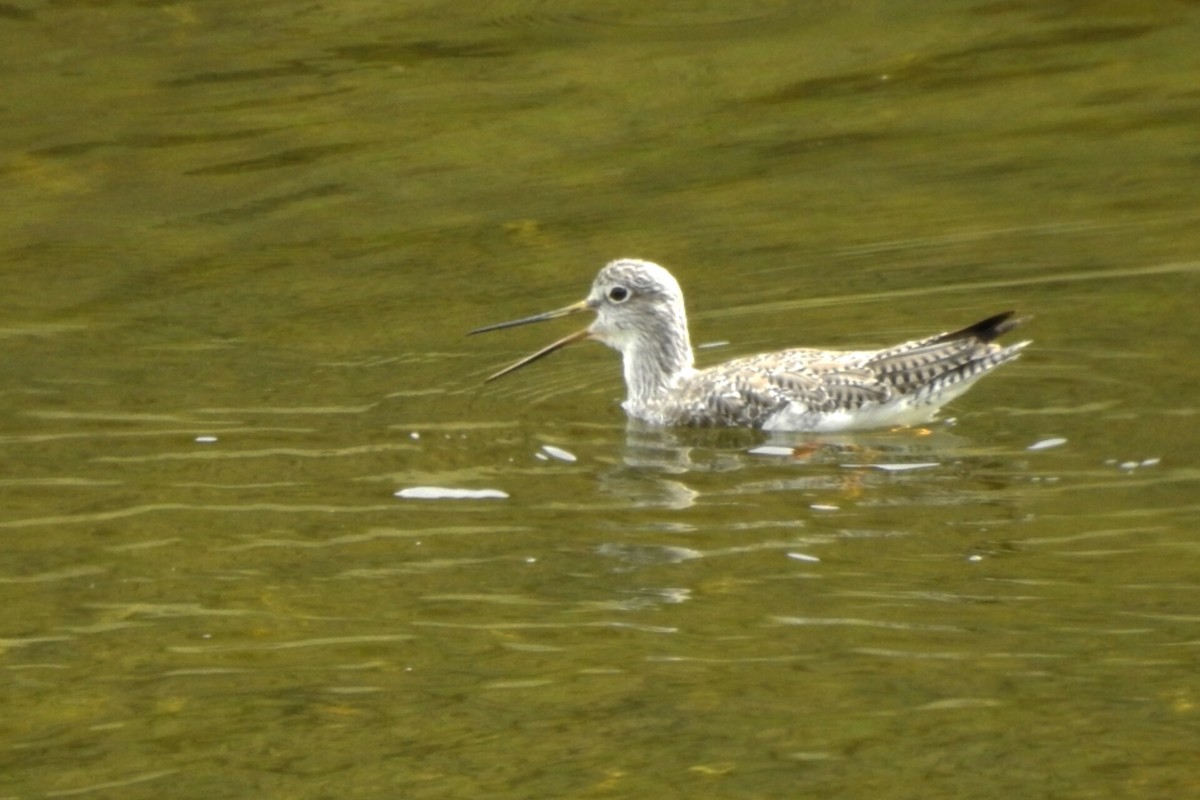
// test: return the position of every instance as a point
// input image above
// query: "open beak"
(578, 336)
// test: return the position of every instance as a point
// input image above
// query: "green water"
(271, 224)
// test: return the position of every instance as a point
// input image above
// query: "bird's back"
(828, 390)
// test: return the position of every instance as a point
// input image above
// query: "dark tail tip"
(988, 329)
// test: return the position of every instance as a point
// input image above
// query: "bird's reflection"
(665, 467)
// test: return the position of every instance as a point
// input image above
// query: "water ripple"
(150, 508)
(678, 20)
(59, 575)
(864, 623)
(296, 452)
(293, 645)
(116, 784)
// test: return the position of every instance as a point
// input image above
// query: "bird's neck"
(653, 366)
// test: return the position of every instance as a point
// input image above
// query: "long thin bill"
(545, 351)
(574, 308)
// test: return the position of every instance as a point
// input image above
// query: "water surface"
(242, 245)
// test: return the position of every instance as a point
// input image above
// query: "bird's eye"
(618, 294)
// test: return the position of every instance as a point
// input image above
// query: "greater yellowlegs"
(639, 311)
